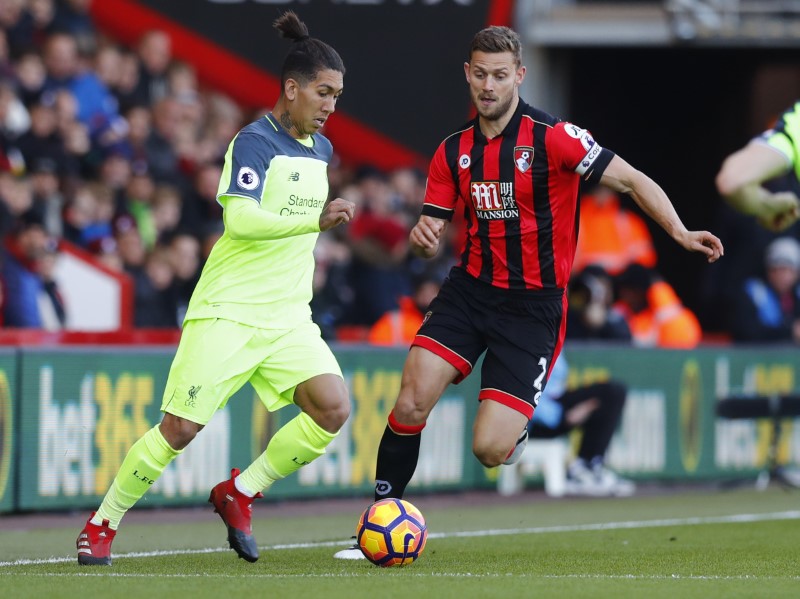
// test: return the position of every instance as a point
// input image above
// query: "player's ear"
(466, 71)
(520, 74)
(290, 89)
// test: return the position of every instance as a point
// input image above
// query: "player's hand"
(703, 242)
(779, 211)
(335, 213)
(424, 237)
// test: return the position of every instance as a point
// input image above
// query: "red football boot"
(94, 544)
(236, 511)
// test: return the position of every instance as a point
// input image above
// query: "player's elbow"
(234, 232)
(731, 178)
(727, 182)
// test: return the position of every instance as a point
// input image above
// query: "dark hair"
(496, 39)
(308, 55)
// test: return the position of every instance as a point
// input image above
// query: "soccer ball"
(391, 532)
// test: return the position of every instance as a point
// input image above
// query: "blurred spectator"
(200, 207)
(154, 302)
(26, 23)
(139, 202)
(6, 68)
(106, 252)
(129, 243)
(768, 309)
(611, 236)
(596, 409)
(333, 301)
(224, 120)
(166, 207)
(43, 142)
(115, 172)
(31, 298)
(75, 135)
(96, 106)
(155, 53)
(184, 257)
(107, 64)
(409, 186)
(41, 15)
(127, 81)
(14, 117)
(399, 327)
(379, 240)
(16, 200)
(47, 198)
(88, 214)
(654, 313)
(162, 157)
(74, 17)
(139, 130)
(591, 315)
(30, 76)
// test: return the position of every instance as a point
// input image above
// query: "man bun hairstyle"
(308, 55)
(497, 39)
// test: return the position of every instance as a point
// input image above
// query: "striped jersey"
(266, 284)
(519, 192)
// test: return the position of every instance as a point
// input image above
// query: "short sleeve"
(577, 151)
(441, 194)
(246, 164)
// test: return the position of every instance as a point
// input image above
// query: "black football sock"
(397, 460)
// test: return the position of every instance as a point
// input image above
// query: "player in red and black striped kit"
(514, 171)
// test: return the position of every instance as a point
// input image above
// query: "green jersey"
(266, 284)
(785, 137)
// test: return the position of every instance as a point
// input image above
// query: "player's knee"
(335, 417)
(179, 432)
(333, 411)
(489, 454)
(409, 413)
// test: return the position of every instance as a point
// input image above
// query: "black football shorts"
(520, 330)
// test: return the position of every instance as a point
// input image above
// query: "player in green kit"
(773, 154)
(249, 318)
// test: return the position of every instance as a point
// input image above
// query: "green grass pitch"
(690, 543)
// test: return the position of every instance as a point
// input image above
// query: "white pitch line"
(407, 574)
(734, 519)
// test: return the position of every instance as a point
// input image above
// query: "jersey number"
(537, 384)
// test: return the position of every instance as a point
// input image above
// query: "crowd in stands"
(118, 151)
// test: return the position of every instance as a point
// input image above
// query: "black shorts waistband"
(458, 274)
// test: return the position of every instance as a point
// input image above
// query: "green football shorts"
(216, 357)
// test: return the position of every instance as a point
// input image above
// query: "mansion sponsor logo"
(494, 200)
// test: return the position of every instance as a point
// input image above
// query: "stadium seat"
(545, 457)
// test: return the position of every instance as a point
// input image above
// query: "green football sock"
(297, 443)
(144, 463)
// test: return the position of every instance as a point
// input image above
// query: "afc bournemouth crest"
(523, 157)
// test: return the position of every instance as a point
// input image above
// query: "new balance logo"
(294, 177)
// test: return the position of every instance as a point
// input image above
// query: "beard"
(497, 111)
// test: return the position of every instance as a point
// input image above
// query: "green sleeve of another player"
(785, 137)
(245, 220)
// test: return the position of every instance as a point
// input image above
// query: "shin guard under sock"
(144, 463)
(398, 454)
(297, 443)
